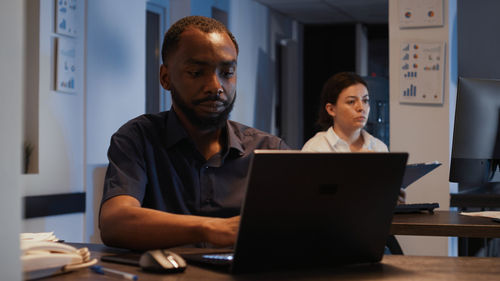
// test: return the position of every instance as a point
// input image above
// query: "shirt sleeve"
(126, 173)
(283, 145)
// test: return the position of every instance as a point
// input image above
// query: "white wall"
(257, 30)
(249, 23)
(424, 130)
(115, 86)
(12, 22)
(61, 132)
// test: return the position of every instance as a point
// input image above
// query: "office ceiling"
(331, 11)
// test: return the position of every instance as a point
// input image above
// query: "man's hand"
(402, 196)
(221, 232)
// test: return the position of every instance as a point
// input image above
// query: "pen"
(113, 272)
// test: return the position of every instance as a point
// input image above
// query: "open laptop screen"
(316, 209)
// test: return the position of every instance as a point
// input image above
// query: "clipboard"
(413, 172)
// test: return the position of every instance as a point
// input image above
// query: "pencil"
(113, 272)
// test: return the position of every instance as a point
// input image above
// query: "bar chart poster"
(66, 22)
(422, 67)
(66, 65)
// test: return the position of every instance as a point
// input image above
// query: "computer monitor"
(476, 137)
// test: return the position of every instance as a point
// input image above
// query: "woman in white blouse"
(344, 109)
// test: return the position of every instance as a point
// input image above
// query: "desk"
(444, 223)
(486, 198)
(391, 268)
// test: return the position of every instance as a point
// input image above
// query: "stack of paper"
(39, 236)
(43, 254)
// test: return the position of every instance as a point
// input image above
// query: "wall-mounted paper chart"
(421, 72)
(66, 65)
(66, 22)
(420, 13)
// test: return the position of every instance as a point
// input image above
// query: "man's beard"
(203, 123)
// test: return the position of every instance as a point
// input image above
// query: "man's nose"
(214, 84)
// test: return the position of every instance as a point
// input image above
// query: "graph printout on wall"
(420, 13)
(66, 23)
(421, 78)
(66, 65)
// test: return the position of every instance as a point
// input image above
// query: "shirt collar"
(333, 139)
(368, 140)
(234, 140)
(176, 133)
(340, 145)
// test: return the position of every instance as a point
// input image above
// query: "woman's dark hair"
(207, 25)
(330, 94)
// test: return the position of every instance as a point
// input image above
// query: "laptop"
(306, 210)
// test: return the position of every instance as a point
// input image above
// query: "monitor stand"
(476, 196)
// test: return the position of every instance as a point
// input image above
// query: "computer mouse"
(162, 261)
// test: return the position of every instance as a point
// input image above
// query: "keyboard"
(415, 208)
(217, 259)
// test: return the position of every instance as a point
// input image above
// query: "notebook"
(414, 172)
(302, 210)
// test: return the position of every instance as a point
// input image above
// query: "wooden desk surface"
(391, 268)
(444, 223)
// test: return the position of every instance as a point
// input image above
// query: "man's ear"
(331, 109)
(164, 77)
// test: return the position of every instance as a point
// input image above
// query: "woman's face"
(351, 111)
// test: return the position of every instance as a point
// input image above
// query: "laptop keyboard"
(415, 207)
(222, 257)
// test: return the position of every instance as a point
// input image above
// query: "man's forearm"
(140, 228)
(124, 223)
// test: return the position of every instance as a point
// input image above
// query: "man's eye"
(228, 74)
(350, 102)
(195, 73)
(366, 101)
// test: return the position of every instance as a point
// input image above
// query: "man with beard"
(178, 177)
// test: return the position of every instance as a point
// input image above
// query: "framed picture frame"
(66, 23)
(65, 65)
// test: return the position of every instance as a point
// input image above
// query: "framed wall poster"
(420, 13)
(66, 22)
(65, 65)
(421, 78)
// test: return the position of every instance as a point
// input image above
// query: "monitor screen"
(476, 136)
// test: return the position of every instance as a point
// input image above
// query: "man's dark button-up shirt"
(153, 159)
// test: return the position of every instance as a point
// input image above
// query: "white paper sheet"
(488, 214)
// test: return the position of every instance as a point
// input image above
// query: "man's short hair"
(207, 25)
